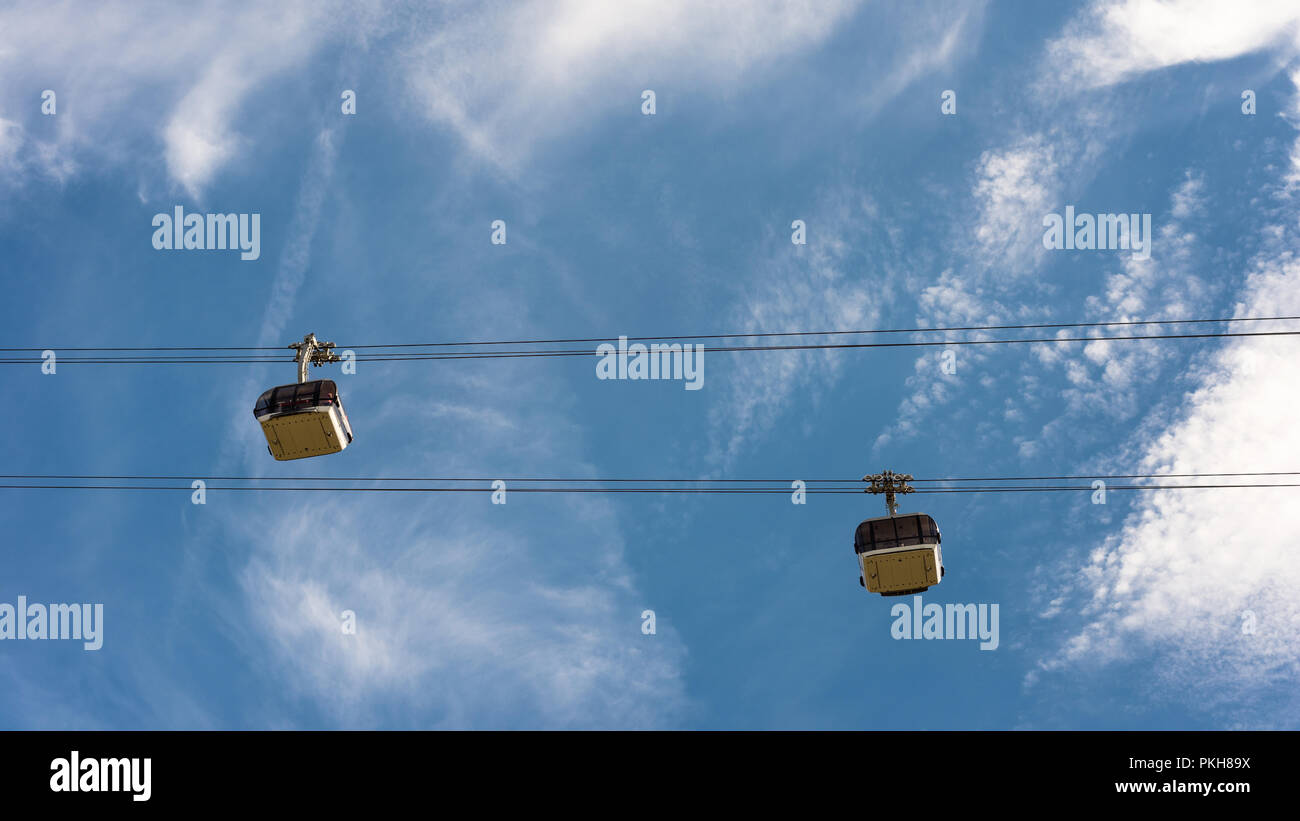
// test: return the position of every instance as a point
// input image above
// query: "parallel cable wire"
(226, 357)
(759, 335)
(726, 349)
(610, 480)
(697, 490)
(578, 485)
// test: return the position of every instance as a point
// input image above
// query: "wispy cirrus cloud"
(460, 622)
(510, 76)
(819, 286)
(1110, 377)
(469, 614)
(153, 74)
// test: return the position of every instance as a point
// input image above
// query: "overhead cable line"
(753, 335)
(454, 356)
(690, 490)
(759, 335)
(616, 480)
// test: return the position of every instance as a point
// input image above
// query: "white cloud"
(1043, 170)
(933, 36)
(126, 72)
(1013, 189)
(1118, 40)
(1189, 199)
(1110, 375)
(460, 623)
(1188, 570)
(506, 77)
(793, 288)
(11, 137)
(1176, 581)
(950, 302)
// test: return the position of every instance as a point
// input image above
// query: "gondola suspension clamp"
(889, 483)
(311, 350)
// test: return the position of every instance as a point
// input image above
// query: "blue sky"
(375, 229)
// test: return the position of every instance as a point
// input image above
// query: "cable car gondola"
(899, 555)
(307, 418)
(303, 420)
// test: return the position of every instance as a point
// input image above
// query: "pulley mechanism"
(312, 350)
(889, 483)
